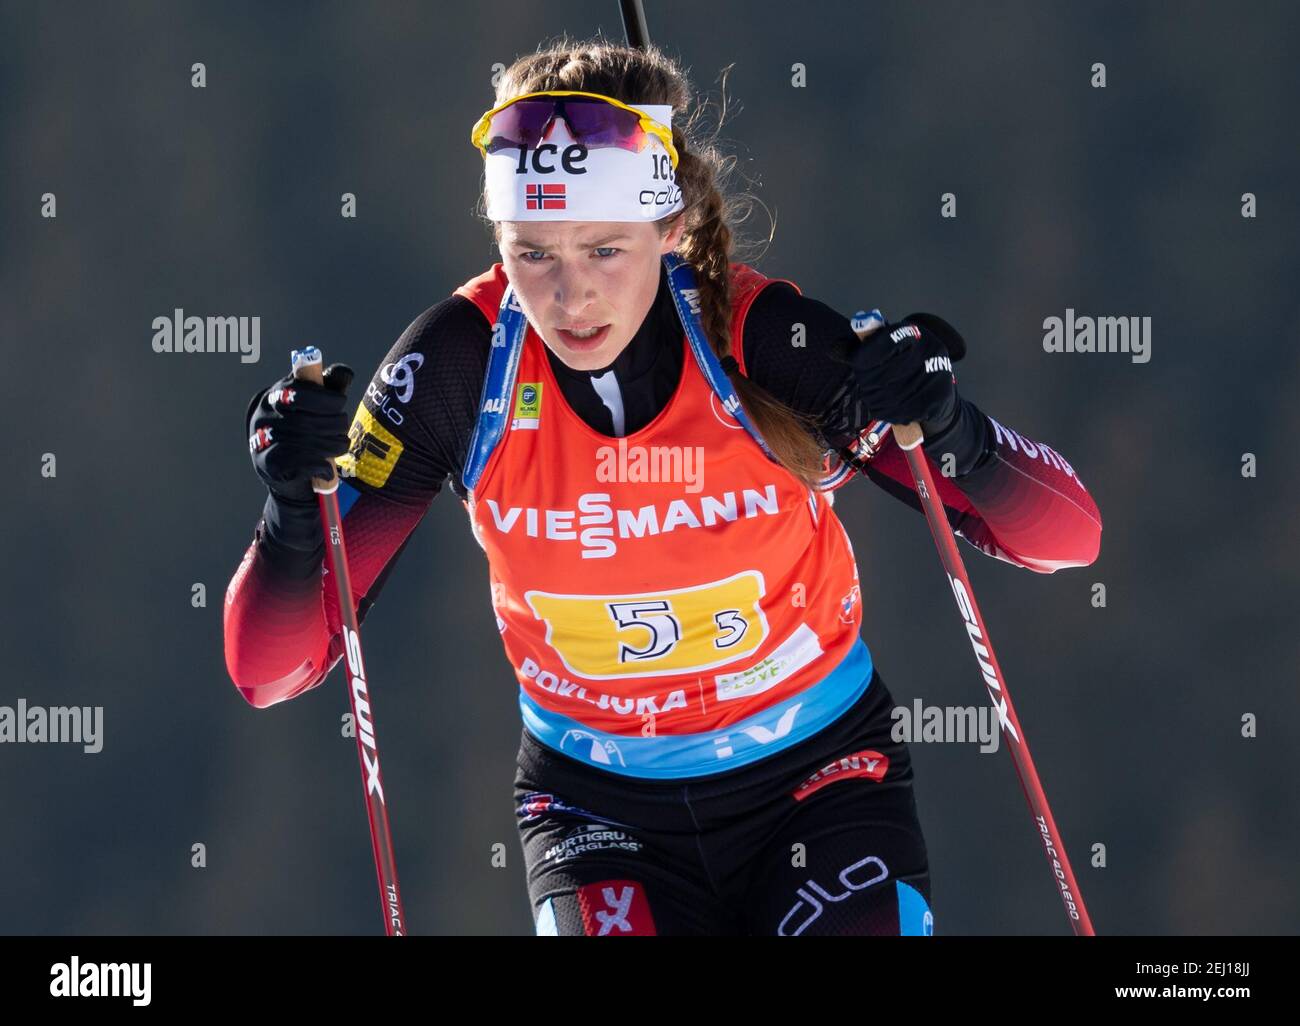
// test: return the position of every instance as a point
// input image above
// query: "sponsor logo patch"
(528, 406)
(615, 908)
(787, 659)
(866, 763)
(589, 839)
(373, 452)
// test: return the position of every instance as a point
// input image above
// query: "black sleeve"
(425, 394)
(410, 432)
(790, 341)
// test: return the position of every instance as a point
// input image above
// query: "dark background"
(225, 200)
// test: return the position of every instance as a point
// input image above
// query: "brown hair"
(649, 76)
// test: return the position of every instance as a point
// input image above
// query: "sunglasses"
(594, 121)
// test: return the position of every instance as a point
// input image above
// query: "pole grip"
(908, 436)
(309, 365)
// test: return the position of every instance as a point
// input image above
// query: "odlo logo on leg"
(857, 877)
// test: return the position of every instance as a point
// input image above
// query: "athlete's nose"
(572, 294)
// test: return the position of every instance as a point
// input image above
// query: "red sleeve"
(1024, 504)
(282, 635)
(408, 435)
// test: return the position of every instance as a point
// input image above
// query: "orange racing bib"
(674, 603)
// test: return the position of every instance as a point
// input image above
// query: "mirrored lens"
(520, 124)
(593, 123)
(602, 124)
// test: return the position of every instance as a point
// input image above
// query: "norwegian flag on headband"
(546, 197)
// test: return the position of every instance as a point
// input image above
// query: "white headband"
(602, 184)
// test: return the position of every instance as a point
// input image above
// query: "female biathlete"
(641, 432)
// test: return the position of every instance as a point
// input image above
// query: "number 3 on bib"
(658, 633)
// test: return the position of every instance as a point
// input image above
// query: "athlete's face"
(573, 275)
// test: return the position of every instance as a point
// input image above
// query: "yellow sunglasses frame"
(662, 132)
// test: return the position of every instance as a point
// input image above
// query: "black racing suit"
(821, 837)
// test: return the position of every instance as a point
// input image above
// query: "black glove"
(294, 428)
(902, 372)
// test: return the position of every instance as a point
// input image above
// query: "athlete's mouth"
(585, 337)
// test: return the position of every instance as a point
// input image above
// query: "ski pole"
(307, 366)
(909, 438)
